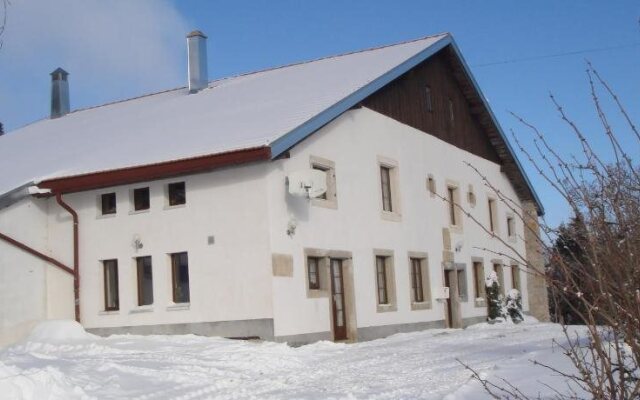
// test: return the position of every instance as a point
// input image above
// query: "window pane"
(385, 178)
(327, 173)
(452, 207)
(478, 277)
(141, 199)
(145, 281)
(108, 203)
(111, 298)
(381, 279)
(314, 281)
(180, 274)
(416, 277)
(177, 194)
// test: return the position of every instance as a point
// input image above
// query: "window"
(111, 296)
(381, 279)
(451, 115)
(108, 201)
(177, 193)
(429, 104)
(180, 277)
(511, 229)
(462, 284)
(330, 197)
(478, 280)
(385, 180)
(515, 277)
(145, 281)
(416, 280)
(452, 208)
(492, 215)
(497, 268)
(471, 196)
(313, 272)
(141, 199)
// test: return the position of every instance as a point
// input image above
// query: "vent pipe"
(197, 58)
(59, 93)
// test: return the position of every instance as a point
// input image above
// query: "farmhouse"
(324, 200)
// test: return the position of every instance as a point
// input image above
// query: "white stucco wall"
(354, 142)
(30, 289)
(229, 280)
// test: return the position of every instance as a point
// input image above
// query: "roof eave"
(536, 199)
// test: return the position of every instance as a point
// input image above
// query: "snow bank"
(59, 331)
(46, 383)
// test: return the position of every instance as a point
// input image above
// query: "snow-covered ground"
(59, 361)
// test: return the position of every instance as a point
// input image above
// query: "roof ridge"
(261, 71)
(332, 56)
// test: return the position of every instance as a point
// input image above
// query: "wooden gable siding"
(405, 100)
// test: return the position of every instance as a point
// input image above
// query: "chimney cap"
(59, 73)
(196, 33)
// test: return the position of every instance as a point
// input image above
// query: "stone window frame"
(426, 280)
(323, 257)
(390, 276)
(394, 181)
(329, 167)
(458, 227)
(481, 293)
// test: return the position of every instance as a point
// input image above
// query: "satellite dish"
(309, 183)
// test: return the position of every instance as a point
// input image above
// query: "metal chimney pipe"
(59, 93)
(197, 58)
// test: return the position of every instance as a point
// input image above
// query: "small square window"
(141, 199)
(177, 193)
(313, 269)
(330, 197)
(108, 201)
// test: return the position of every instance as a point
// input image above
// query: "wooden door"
(337, 301)
(447, 283)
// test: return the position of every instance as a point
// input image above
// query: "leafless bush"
(594, 270)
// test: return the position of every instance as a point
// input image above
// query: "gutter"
(76, 252)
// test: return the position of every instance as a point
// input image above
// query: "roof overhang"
(123, 176)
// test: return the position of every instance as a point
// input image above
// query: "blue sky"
(121, 49)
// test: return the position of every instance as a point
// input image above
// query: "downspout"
(76, 270)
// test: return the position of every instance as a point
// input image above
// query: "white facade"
(235, 219)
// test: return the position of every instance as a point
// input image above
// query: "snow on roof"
(233, 113)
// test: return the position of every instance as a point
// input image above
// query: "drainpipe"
(76, 270)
